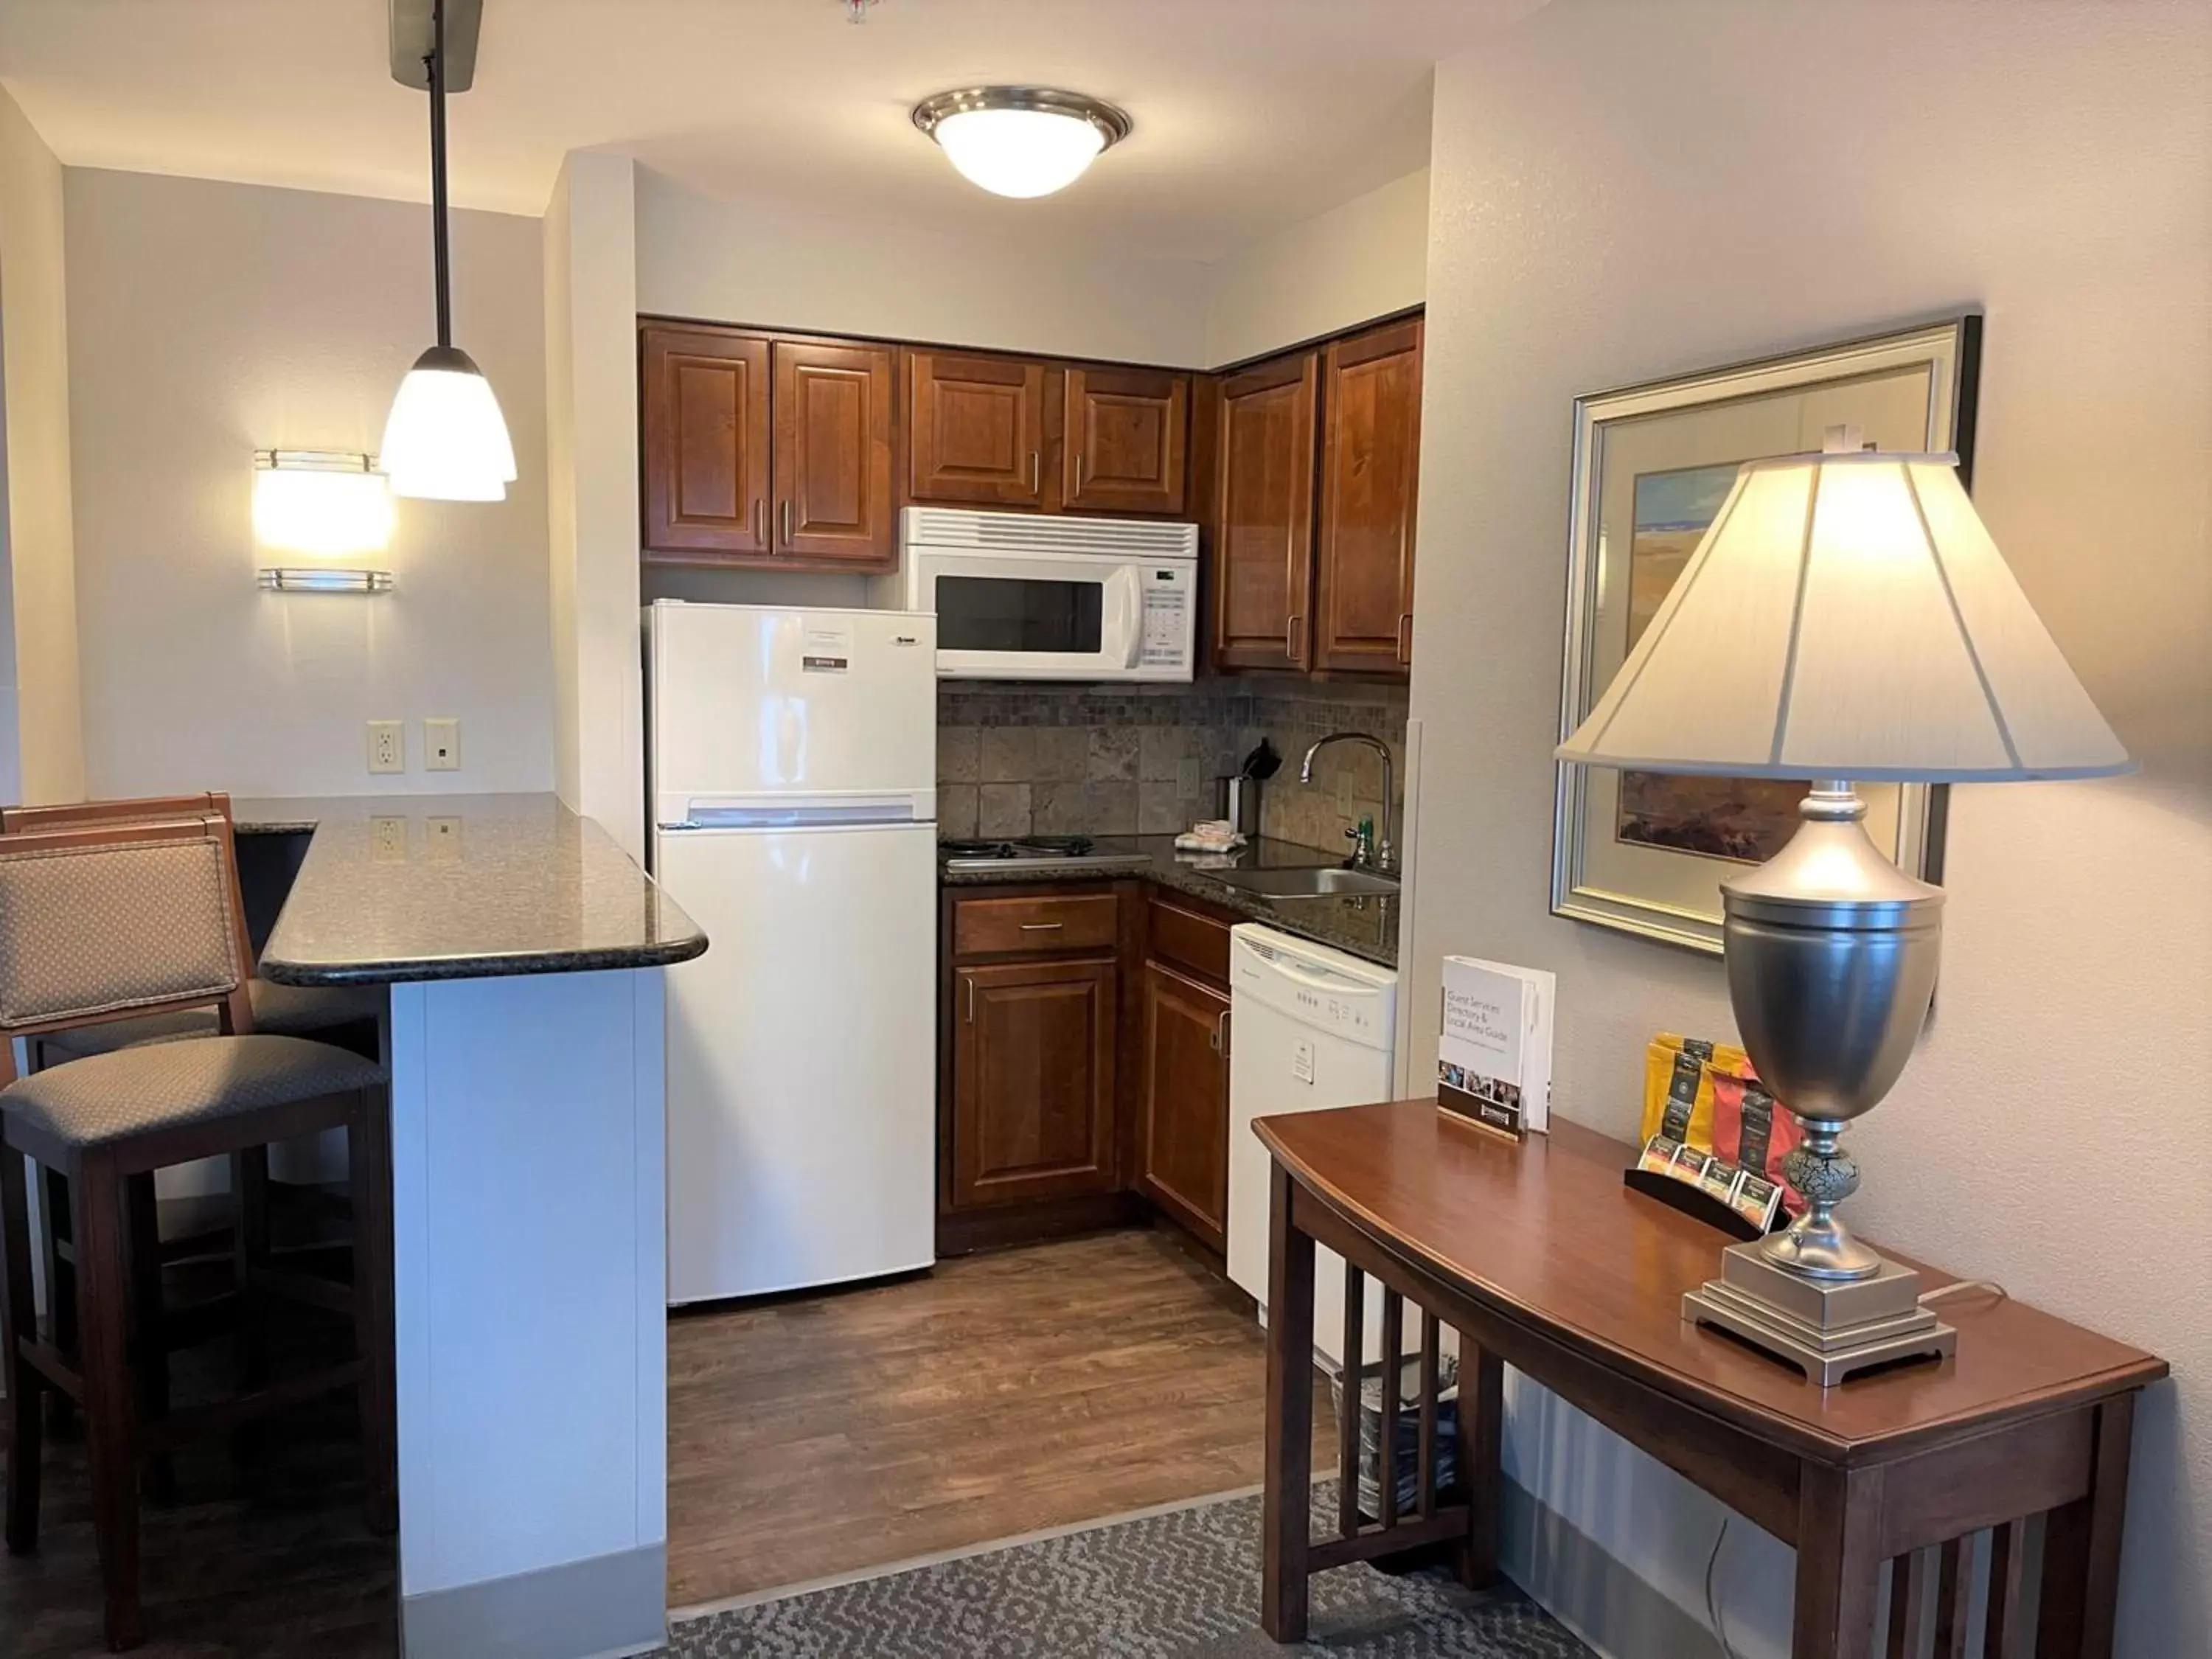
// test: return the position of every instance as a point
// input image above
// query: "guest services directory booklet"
(1494, 1053)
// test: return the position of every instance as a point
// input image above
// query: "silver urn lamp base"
(1831, 956)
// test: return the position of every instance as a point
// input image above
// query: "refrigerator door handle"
(800, 813)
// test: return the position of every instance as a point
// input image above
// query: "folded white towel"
(1215, 836)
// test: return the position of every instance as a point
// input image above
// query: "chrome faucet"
(1382, 858)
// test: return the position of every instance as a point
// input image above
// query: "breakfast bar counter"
(525, 953)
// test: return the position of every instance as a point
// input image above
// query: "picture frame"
(1645, 853)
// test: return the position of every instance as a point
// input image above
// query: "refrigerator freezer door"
(750, 702)
(802, 1079)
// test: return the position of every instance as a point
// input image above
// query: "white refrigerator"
(792, 785)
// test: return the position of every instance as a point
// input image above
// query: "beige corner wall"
(41, 725)
(208, 321)
(780, 267)
(1367, 257)
(1621, 191)
(591, 468)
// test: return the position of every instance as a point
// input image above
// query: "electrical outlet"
(442, 745)
(442, 839)
(1188, 779)
(387, 745)
(387, 840)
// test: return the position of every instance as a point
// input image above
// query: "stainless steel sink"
(1325, 881)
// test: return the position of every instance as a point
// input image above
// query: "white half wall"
(208, 321)
(41, 724)
(1365, 258)
(592, 467)
(778, 266)
(1621, 191)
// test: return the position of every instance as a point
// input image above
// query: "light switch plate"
(442, 745)
(387, 745)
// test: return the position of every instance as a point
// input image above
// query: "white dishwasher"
(1311, 1028)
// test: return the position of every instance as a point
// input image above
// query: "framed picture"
(1646, 853)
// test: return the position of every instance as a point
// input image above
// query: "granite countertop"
(1365, 926)
(414, 887)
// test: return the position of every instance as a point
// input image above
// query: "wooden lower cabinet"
(1183, 1145)
(1033, 1081)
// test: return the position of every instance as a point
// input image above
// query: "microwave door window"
(1019, 615)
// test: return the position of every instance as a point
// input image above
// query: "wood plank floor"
(1002, 1395)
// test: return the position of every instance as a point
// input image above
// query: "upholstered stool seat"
(278, 1010)
(113, 1096)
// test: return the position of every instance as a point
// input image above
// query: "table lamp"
(1846, 618)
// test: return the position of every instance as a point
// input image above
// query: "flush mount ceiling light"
(445, 438)
(1020, 140)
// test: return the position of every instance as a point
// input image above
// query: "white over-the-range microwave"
(1023, 596)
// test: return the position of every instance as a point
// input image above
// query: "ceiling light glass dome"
(1021, 141)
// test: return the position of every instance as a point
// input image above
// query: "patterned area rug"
(1181, 1585)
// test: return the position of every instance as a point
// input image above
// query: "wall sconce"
(326, 503)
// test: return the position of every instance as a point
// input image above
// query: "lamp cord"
(434, 65)
(1713, 1601)
(1996, 1292)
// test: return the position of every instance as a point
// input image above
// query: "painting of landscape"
(1747, 819)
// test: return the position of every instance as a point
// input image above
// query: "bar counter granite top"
(418, 887)
(1365, 926)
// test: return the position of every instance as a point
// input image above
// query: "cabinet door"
(1263, 541)
(1371, 459)
(975, 430)
(1185, 1140)
(1032, 1082)
(1127, 437)
(706, 398)
(833, 452)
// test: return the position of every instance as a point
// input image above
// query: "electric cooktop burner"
(1033, 852)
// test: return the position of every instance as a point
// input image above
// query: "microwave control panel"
(1168, 622)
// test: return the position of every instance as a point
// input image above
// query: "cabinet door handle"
(1036, 472)
(760, 521)
(1291, 637)
(787, 528)
(1042, 927)
(1405, 644)
(1078, 472)
(970, 978)
(1221, 1034)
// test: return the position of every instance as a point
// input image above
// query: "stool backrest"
(117, 919)
(16, 820)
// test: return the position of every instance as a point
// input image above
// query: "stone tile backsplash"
(1045, 759)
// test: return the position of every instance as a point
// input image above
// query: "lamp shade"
(1847, 616)
(446, 439)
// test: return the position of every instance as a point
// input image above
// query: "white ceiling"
(1250, 114)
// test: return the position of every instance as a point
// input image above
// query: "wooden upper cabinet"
(1264, 534)
(1184, 1146)
(975, 430)
(1128, 436)
(706, 441)
(1033, 1081)
(833, 476)
(1371, 462)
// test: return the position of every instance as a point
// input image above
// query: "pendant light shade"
(445, 438)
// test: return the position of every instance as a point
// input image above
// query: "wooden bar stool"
(125, 920)
(346, 1015)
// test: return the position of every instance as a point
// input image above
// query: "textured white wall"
(779, 267)
(1365, 258)
(42, 752)
(1621, 191)
(592, 465)
(208, 321)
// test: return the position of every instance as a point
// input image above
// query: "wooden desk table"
(1541, 1260)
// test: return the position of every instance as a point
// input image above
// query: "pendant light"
(445, 438)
